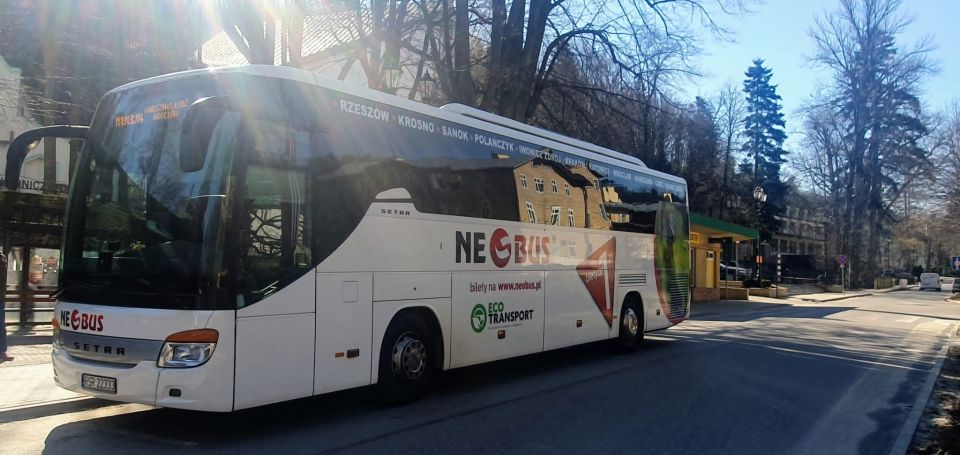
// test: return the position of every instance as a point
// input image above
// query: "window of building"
(571, 220)
(531, 213)
(538, 184)
(566, 189)
(555, 215)
(596, 183)
(523, 181)
(553, 186)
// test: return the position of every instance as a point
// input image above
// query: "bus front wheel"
(631, 326)
(406, 360)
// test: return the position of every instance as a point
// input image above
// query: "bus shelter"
(30, 231)
(713, 242)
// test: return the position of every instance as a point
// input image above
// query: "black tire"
(406, 382)
(630, 335)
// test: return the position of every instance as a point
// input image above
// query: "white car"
(930, 281)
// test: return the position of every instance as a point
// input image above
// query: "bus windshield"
(140, 231)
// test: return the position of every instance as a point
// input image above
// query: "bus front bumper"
(197, 388)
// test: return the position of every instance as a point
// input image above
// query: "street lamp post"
(429, 86)
(391, 72)
(760, 196)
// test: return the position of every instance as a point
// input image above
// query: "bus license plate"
(98, 383)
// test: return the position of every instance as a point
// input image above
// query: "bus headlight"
(188, 349)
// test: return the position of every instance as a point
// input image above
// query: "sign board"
(956, 262)
(842, 260)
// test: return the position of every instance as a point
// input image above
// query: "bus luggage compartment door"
(344, 317)
(496, 315)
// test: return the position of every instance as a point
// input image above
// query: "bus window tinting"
(448, 175)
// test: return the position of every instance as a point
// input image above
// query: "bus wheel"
(406, 360)
(631, 326)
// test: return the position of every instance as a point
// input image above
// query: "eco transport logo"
(493, 314)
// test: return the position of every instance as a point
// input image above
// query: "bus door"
(275, 279)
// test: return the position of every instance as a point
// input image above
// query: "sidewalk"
(28, 380)
(756, 303)
(832, 296)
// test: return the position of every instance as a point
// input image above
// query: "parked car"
(930, 280)
(956, 285)
(738, 273)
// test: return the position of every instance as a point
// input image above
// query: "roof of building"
(713, 228)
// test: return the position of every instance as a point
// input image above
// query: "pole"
(779, 262)
(724, 251)
(841, 278)
(3, 290)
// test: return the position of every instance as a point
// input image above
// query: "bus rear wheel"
(631, 326)
(406, 360)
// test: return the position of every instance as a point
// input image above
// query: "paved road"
(838, 377)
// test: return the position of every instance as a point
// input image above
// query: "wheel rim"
(409, 357)
(631, 322)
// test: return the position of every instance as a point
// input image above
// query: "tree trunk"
(49, 165)
(463, 89)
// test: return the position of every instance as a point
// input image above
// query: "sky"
(777, 31)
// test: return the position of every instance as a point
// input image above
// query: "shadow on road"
(338, 416)
(744, 311)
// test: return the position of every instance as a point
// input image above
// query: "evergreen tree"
(702, 170)
(764, 133)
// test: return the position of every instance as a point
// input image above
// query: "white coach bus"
(245, 236)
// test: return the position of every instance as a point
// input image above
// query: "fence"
(883, 282)
(30, 306)
(797, 286)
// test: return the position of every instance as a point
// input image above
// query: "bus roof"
(453, 112)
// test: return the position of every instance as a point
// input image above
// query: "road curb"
(909, 427)
(833, 299)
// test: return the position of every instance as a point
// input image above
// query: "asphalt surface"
(836, 377)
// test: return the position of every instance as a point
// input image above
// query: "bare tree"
(873, 91)
(947, 188)
(525, 43)
(252, 26)
(730, 111)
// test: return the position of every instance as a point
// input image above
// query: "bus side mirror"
(198, 125)
(18, 149)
